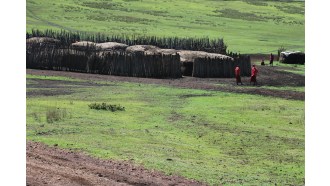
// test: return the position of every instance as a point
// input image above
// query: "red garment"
(237, 71)
(254, 71)
(238, 75)
(253, 79)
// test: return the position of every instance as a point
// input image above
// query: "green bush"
(55, 114)
(105, 106)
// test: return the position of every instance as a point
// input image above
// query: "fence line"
(221, 68)
(199, 44)
(121, 63)
(54, 57)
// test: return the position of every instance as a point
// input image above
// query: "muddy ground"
(268, 76)
(53, 166)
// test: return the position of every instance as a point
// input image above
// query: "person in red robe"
(254, 72)
(238, 75)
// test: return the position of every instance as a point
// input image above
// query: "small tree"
(281, 49)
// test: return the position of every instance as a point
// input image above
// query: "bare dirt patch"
(53, 166)
(56, 87)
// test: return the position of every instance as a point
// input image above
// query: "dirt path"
(54, 166)
(33, 15)
(269, 76)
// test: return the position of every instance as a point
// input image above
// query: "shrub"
(105, 106)
(55, 114)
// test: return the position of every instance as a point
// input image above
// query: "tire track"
(33, 15)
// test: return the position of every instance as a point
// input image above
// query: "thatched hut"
(188, 57)
(167, 51)
(146, 49)
(42, 41)
(83, 45)
(159, 51)
(111, 46)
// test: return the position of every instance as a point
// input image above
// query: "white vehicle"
(292, 57)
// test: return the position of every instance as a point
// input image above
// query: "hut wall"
(207, 67)
(221, 68)
(244, 62)
(121, 64)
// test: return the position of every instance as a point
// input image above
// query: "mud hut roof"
(167, 51)
(83, 44)
(141, 48)
(42, 40)
(158, 51)
(111, 46)
(190, 56)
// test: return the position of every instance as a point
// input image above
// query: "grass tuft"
(55, 114)
(105, 106)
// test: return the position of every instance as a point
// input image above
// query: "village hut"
(188, 58)
(111, 46)
(159, 51)
(42, 41)
(168, 51)
(83, 45)
(137, 60)
(150, 50)
(143, 49)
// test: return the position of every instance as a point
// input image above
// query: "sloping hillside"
(248, 26)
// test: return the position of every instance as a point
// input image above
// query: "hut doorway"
(187, 68)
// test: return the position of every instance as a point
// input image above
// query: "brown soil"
(53, 166)
(268, 76)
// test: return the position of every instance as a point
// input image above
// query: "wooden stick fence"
(198, 44)
(244, 62)
(221, 67)
(121, 64)
(54, 57)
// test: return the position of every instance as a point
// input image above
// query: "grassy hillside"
(210, 136)
(247, 26)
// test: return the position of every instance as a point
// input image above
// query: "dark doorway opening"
(187, 68)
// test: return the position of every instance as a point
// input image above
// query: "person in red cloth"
(271, 59)
(254, 72)
(238, 75)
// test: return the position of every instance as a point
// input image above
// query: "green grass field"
(210, 136)
(249, 26)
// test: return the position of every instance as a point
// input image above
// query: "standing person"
(238, 75)
(271, 59)
(254, 72)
